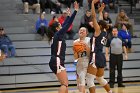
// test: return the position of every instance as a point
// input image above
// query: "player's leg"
(91, 75)
(101, 80)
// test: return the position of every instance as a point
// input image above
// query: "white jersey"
(82, 64)
(87, 40)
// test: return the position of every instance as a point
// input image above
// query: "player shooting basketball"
(81, 48)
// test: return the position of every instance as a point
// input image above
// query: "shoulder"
(76, 40)
(87, 38)
(103, 33)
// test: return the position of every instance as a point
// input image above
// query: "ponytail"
(51, 31)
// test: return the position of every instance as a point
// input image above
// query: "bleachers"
(30, 67)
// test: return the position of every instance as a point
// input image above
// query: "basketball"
(79, 46)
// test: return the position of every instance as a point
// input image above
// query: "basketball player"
(56, 34)
(97, 58)
(82, 58)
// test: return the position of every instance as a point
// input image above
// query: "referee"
(116, 46)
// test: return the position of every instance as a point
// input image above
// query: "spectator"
(122, 18)
(116, 46)
(66, 2)
(54, 19)
(80, 3)
(110, 4)
(6, 44)
(61, 19)
(108, 20)
(86, 21)
(54, 6)
(41, 25)
(126, 37)
(90, 2)
(31, 4)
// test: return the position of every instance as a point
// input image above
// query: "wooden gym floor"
(130, 88)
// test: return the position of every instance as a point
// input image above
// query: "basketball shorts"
(100, 60)
(81, 69)
(56, 64)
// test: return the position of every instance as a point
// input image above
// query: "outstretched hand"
(94, 1)
(76, 6)
(68, 11)
(101, 8)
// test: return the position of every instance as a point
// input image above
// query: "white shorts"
(81, 69)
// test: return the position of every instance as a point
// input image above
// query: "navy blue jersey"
(100, 41)
(97, 55)
(58, 46)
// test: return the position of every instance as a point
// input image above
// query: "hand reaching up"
(68, 11)
(76, 6)
(101, 8)
(94, 1)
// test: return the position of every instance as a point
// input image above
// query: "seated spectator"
(110, 4)
(70, 32)
(86, 21)
(90, 2)
(31, 4)
(108, 20)
(122, 18)
(126, 36)
(54, 19)
(54, 6)
(6, 44)
(80, 3)
(66, 2)
(41, 25)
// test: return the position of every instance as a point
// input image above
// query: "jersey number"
(103, 41)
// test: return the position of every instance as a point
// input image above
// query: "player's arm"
(95, 24)
(75, 55)
(101, 11)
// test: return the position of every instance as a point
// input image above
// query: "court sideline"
(132, 87)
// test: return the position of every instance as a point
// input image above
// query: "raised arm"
(95, 24)
(69, 21)
(101, 11)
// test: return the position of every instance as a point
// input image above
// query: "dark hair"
(103, 25)
(1, 28)
(55, 16)
(88, 10)
(51, 30)
(127, 26)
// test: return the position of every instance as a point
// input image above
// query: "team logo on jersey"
(104, 41)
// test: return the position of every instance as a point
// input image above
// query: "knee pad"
(101, 80)
(90, 80)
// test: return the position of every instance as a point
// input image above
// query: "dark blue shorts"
(53, 64)
(100, 60)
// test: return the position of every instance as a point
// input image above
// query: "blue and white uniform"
(58, 46)
(97, 56)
